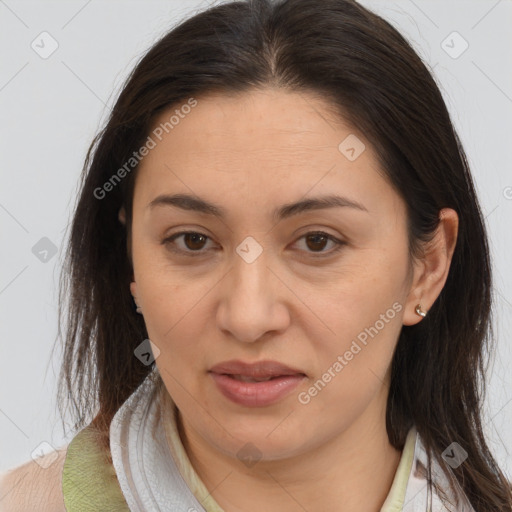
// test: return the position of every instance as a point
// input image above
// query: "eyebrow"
(196, 204)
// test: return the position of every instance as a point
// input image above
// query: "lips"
(260, 369)
(247, 378)
(255, 384)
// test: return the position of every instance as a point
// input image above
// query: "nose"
(253, 301)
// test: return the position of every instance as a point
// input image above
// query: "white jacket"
(153, 472)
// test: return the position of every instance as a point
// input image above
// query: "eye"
(317, 240)
(193, 242)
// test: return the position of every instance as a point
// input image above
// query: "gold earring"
(420, 312)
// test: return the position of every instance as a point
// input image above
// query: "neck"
(353, 471)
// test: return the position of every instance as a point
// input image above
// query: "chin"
(260, 437)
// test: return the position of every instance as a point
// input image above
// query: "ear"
(133, 288)
(431, 271)
(122, 215)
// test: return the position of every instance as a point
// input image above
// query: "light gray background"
(51, 108)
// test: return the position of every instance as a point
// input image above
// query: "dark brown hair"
(372, 77)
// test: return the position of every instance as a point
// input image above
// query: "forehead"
(261, 142)
(255, 120)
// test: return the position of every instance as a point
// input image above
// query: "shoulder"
(34, 485)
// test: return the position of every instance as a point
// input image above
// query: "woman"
(280, 203)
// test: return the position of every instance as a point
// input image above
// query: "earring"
(420, 312)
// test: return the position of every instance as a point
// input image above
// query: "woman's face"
(256, 284)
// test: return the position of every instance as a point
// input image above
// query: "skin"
(250, 154)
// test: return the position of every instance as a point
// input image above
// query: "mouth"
(246, 378)
(255, 384)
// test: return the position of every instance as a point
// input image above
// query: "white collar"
(150, 478)
(146, 471)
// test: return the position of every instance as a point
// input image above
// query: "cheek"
(169, 295)
(172, 319)
(352, 371)
(362, 349)
(171, 313)
(363, 310)
(363, 290)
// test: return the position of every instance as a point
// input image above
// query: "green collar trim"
(89, 481)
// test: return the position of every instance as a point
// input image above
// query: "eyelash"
(169, 240)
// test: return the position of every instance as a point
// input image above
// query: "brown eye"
(317, 241)
(192, 242)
